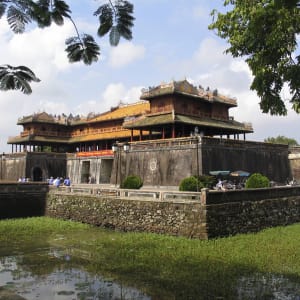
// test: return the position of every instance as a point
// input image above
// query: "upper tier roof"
(187, 89)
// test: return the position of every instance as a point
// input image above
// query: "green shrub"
(191, 184)
(207, 180)
(257, 180)
(132, 182)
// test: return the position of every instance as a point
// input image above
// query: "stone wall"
(42, 165)
(13, 166)
(180, 219)
(233, 212)
(294, 158)
(94, 169)
(164, 163)
(268, 159)
(167, 162)
(216, 214)
(22, 200)
(158, 163)
(36, 166)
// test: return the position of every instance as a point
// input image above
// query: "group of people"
(23, 179)
(228, 185)
(59, 181)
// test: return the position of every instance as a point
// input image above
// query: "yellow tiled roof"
(124, 111)
(125, 133)
(105, 136)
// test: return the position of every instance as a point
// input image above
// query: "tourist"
(219, 185)
(51, 180)
(56, 182)
(67, 182)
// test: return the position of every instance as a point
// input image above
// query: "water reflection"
(44, 269)
(268, 286)
(64, 282)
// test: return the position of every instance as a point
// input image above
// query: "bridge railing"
(143, 194)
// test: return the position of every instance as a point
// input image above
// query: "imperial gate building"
(175, 131)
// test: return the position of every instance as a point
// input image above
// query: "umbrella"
(219, 173)
(240, 173)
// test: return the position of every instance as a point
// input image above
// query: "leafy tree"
(280, 139)
(265, 33)
(115, 18)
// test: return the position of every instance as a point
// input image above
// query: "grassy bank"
(171, 267)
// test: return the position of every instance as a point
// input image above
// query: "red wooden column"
(173, 131)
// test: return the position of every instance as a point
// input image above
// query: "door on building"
(37, 174)
(106, 170)
(85, 172)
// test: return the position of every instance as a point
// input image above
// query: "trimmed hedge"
(132, 182)
(257, 180)
(196, 183)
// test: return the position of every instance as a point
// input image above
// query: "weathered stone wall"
(13, 166)
(22, 200)
(268, 159)
(165, 166)
(94, 169)
(36, 166)
(50, 164)
(180, 218)
(294, 158)
(232, 212)
(166, 163)
(158, 163)
(216, 214)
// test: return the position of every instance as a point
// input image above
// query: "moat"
(43, 268)
(38, 270)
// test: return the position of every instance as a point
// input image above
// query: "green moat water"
(50, 259)
(52, 273)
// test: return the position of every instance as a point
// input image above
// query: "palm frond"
(91, 49)
(105, 14)
(60, 10)
(16, 78)
(125, 19)
(45, 11)
(117, 20)
(114, 36)
(17, 18)
(82, 49)
(41, 14)
(2, 9)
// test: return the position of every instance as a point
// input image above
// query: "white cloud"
(116, 93)
(87, 107)
(210, 54)
(40, 49)
(125, 54)
(5, 31)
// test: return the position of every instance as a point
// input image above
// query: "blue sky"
(170, 42)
